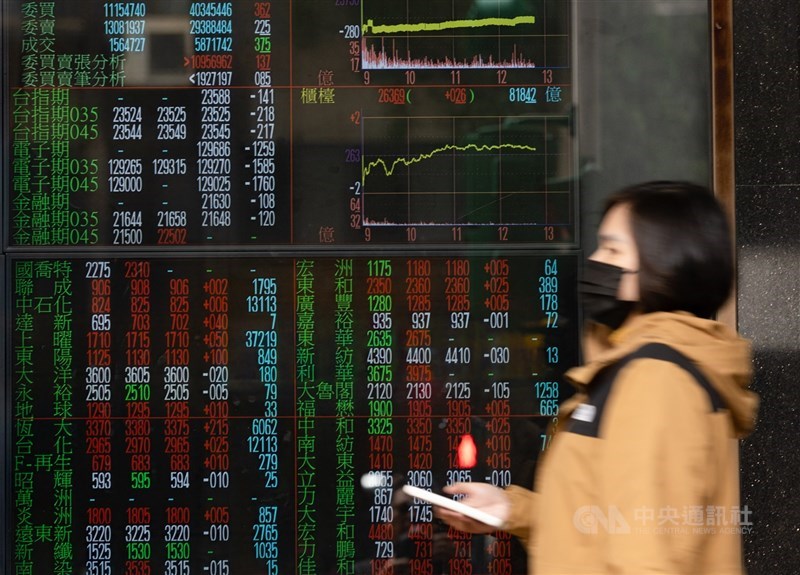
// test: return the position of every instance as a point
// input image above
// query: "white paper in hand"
(453, 505)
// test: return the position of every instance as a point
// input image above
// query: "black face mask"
(598, 290)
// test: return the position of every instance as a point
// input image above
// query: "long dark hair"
(684, 244)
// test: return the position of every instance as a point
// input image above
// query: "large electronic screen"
(290, 122)
(269, 261)
(266, 262)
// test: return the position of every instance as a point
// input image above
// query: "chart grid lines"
(461, 171)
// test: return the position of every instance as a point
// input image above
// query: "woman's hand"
(483, 496)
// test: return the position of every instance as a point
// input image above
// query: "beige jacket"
(657, 489)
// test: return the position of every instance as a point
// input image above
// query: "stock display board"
(292, 122)
(265, 262)
(253, 415)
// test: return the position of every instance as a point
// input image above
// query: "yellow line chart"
(446, 25)
(389, 169)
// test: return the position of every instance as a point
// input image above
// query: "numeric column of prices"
(380, 427)
(176, 383)
(138, 390)
(138, 550)
(458, 394)
(171, 135)
(177, 535)
(138, 447)
(98, 387)
(98, 377)
(126, 172)
(98, 541)
(214, 163)
(170, 127)
(419, 425)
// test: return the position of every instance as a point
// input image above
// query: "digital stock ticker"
(267, 262)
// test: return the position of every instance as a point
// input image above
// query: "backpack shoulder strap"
(586, 418)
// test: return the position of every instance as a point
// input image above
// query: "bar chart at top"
(453, 35)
